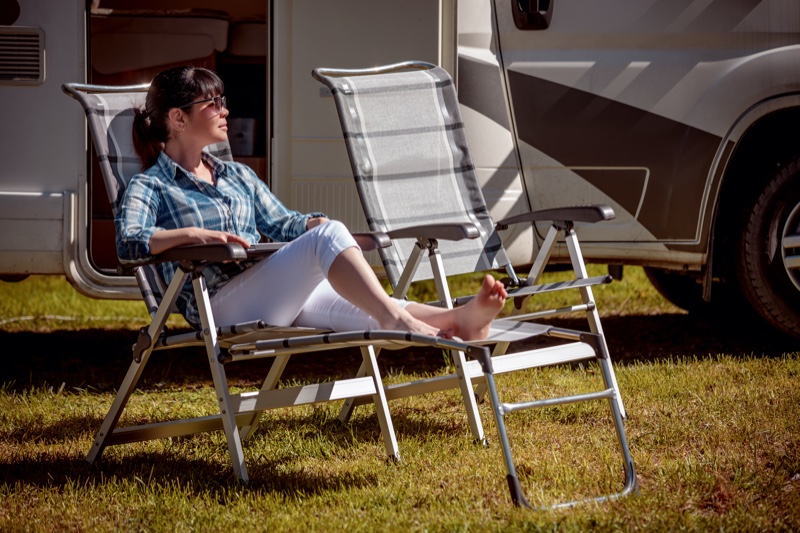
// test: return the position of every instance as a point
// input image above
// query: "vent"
(21, 55)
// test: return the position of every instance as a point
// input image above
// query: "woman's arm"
(170, 238)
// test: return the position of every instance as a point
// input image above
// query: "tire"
(768, 266)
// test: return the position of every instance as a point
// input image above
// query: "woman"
(186, 196)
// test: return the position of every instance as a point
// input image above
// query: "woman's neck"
(189, 159)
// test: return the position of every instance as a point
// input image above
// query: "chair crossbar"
(501, 364)
(549, 312)
(246, 404)
(304, 394)
(561, 285)
(163, 430)
(530, 290)
(562, 400)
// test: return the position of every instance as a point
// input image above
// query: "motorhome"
(680, 114)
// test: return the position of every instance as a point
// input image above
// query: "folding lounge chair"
(415, 179)
(110, 114)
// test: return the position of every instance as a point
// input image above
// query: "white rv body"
(674, 113)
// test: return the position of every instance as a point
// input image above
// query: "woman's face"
(206, 119)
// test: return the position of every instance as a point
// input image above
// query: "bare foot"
(403, 321)
(475, 318)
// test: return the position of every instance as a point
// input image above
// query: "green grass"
(714, 427)
(43, 303)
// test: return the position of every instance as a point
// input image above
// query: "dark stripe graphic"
(578, 128)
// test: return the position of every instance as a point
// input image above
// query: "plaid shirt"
(166, 196)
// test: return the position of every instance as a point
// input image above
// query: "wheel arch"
(766, 137)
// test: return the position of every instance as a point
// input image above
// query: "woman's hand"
(165, 239)
(315, 221)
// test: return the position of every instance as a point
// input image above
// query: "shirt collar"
(169, 168)
(217, 166)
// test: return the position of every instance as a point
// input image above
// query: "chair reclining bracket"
(143, 342)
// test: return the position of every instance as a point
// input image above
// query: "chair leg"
(142, 351)
(370, 366)
(460, 360)
(114, 413)
(247, 429)
(468, 396)
(227, 412)
(350, 403)
(592, 315)
(500, 409)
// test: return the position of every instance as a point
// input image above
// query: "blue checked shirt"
(166, 196)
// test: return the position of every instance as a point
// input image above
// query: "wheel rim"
(790, 246)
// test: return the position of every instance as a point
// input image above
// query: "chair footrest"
(559, 285)
(506, 408)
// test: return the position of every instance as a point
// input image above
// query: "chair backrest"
(110, 112)
(408, 150)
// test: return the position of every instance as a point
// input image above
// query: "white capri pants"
(290, 287)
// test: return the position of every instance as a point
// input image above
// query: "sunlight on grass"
(715, 443)
(43, 303)
(715, 439)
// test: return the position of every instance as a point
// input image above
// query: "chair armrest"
(209, 253)
(262, 249)
(372, 240)
(445, 231)
(212, 253)
(580, 213)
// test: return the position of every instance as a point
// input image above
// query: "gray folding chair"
(407, 146)
(110, 115)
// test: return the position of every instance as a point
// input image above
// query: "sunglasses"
(219, 103)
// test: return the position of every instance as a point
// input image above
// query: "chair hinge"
(142, 343)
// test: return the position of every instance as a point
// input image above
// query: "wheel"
(679, 289)
(768, 266)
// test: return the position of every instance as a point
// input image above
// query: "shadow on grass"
(197, 476)
(96, 360)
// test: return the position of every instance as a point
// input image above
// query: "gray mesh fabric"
(110, 116)
(409, 154)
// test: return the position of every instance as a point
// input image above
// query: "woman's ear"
(177, 119)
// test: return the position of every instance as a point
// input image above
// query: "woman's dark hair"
(170, 88)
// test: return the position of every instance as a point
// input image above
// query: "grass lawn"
(713, 423)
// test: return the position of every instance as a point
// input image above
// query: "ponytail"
(147, 148)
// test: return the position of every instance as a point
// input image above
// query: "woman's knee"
(331, 239)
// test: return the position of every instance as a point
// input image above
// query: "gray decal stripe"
(605, 133)
(480, 87)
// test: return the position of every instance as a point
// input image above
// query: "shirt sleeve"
(136, 219)
(275, 220)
